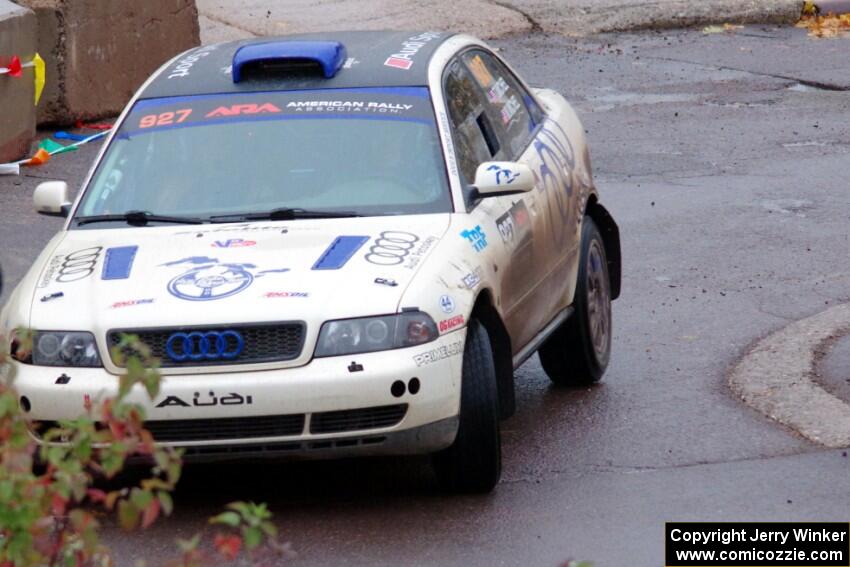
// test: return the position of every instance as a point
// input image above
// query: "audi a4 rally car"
(338, 244)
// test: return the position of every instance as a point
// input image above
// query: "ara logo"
(232, 243)
(231, 399)
(239, 109)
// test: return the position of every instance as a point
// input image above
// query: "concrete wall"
(98, 52)
(17, 109)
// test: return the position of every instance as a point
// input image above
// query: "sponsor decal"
(557, 161)
(417, 255)
(391, 248)
(510, 109)
(350, 62)
(498, 91)
(447, 304)
(231, 399)
(439, 353)
(233, 243)
(52, 296)
(118, 262)
(476, 237)
(131, 302)
(403, 59)
(238, 109)
(515, 225)
(210, 279)
(339, 252)
(447, 139)
(503, 175)
(385, 281)
(184, 66)
(472, 279)
(275, 294)
(236, 228)
(449, 324)
(75, 266)
(347, 106)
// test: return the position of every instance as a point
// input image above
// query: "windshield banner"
(403, 103)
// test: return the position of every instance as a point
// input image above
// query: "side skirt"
(529, 349)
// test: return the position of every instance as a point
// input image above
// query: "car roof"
(374, 59)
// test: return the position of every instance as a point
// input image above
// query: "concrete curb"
(669, 14)
(775, 377)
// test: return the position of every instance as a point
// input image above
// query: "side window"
(476, 137)
(510, 106)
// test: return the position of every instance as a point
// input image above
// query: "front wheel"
(577, 354)
(473, 463)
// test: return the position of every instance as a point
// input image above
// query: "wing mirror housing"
(496, 178)
(51, 199)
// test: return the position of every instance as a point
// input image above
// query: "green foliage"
(47, 510)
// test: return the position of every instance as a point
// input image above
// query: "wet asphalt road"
(724, 158)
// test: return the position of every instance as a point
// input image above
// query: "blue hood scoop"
(280, 57)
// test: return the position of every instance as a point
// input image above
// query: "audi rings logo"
(78, 265)
(391, 247)
(198, 346)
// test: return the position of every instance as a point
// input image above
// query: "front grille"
(357, 419)
(226, 428)
(272, 342)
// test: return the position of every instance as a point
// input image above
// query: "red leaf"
(96, 495)
(57, 505)
(228, 545)
(151, 513)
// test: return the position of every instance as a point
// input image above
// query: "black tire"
(577, 354)
(473, 463)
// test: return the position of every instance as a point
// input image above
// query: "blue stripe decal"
(339, 252)
(118, 263)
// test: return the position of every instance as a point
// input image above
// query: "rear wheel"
(473, 463)
(577, 354)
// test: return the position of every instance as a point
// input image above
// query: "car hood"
(309, 270)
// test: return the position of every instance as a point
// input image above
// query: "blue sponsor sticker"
(118, 262)
(476, 237)
(339, 252)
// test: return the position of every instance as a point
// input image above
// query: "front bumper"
(318, 410)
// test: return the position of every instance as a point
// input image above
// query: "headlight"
(60, 348)
(370, 334)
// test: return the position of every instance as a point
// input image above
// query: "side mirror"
(494, 178)
(51, 199)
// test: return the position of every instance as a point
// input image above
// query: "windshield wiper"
(137, 218)
(284, 213)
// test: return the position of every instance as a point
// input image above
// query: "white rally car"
(337, 245)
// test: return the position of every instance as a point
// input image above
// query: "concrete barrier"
(17, 109)
(98, 52)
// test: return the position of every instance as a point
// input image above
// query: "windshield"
(362, 151)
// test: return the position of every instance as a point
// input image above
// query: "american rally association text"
(726, 536)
